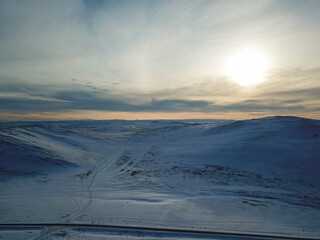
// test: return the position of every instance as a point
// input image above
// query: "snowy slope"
(258, 176)
(20, 156)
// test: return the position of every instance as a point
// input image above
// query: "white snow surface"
(253, 176)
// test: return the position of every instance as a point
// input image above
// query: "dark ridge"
(155, 229)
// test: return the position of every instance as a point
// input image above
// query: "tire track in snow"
(106, 163)
(112, 157)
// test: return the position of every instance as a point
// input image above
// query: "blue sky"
(156, 59)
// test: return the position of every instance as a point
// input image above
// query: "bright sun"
(247, 67)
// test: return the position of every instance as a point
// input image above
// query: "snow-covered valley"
(253, 176)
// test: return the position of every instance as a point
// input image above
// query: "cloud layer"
(155, 56)
(271, 96)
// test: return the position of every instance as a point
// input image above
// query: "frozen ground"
(253, 176)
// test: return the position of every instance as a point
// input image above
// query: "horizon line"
(177, 119)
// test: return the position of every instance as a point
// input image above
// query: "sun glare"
(247, 67)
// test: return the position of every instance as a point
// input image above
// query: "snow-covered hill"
(259, 175)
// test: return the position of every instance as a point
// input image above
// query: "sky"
(143, 59)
